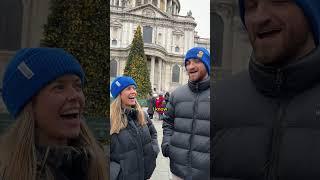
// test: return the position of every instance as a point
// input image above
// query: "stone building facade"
(230, 44)
(167, 37)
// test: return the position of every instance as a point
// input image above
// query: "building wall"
(236, 46)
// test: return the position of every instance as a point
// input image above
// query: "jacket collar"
(197, 87)
(288, 80)
(65, 160)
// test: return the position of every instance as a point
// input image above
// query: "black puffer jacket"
(133, 152)
(186, 131)
(65, 163)
(267, 123)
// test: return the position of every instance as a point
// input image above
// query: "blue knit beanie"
(120, 83)
(199, 53)
(311, 9)
(30, 70)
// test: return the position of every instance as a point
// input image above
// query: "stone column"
(174, 8)
(25, 23)
(152, 71)
(160, 72)
(165, 5)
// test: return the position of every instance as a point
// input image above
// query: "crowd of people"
(157, 104)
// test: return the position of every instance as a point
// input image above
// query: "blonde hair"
(18, 160)
(118, 120)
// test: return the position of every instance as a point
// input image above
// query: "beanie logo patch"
(200, 54)
(25, 70)
(118, 83)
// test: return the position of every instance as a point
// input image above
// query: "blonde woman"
(42, 89)
(134, 146)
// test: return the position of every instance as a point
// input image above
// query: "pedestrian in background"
(151, 106)
(160, 106)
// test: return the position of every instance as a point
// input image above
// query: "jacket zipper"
(138, 141)
(279, 79)
(195, 111)
(276, 142)
(272, 173)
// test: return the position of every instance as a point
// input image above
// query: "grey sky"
(201, 12)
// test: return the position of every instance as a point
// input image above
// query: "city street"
(162, 171)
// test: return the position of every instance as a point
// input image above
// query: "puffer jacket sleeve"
(114, 165)
(167, 126)
(154, 135)
(114, 170)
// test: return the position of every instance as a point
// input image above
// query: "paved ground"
(162, 171)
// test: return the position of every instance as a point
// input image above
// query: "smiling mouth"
(268, 33)
(70, 116)
(132, 97)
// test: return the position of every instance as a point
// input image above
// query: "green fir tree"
(80, 27)
(136, 66)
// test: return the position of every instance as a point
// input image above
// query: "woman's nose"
(72, 94)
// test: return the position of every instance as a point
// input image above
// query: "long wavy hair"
(119, 119)
(18, 160)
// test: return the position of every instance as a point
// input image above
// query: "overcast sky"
(201, 12)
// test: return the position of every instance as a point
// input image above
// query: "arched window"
(175, 73)
(10, 24)
(217, 39)
(113, 68)
(177, 49)
(147, 34)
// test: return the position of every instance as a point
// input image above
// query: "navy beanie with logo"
(120, 83)
(199, 53)
(310, 8)
(30, 70)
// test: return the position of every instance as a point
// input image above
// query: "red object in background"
(160, 104)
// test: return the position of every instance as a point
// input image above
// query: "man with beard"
(186, 123)
(267, 119)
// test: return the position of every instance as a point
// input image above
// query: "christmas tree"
(136, 66)
(80, 27)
